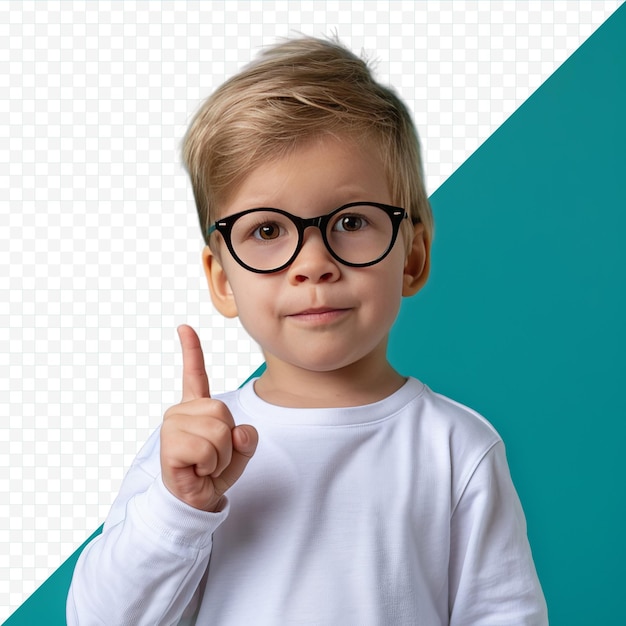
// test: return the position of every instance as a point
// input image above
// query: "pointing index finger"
(195, 379)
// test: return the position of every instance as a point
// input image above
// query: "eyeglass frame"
(225, 225)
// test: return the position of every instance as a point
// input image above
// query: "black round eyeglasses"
(266, 240)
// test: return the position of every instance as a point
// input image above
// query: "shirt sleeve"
(147, 565)
(492, 577)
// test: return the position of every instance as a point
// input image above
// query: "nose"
(314, 262)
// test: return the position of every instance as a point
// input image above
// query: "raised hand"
(203, 452)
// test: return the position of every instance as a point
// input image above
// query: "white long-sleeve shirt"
(400, 512)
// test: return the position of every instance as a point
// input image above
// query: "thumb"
(245, 439)
(195, 379)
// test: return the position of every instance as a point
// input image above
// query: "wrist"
(171, 520)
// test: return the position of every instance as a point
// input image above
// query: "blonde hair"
(295, 91)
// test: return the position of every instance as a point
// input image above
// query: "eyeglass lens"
(266, 239)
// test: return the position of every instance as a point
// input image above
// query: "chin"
(325, 362)
(326, 355)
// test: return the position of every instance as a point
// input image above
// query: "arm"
(146, 568)
(492, 575)
(148, 564)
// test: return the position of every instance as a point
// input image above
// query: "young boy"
(331, 489)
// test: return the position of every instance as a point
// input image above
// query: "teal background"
(523, 319)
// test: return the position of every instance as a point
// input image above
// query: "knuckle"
(205, 452)
(170, 412)
(168, 429)
(221, 432)
(200, 406)
(219, 410)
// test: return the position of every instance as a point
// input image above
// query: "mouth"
(319, 314)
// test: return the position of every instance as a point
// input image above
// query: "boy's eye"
(267, 231)
(350, 223)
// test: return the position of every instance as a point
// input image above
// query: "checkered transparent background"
(99, 244)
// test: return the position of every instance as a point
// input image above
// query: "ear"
(417, 266)
(221, 292)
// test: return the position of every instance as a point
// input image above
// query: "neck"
(360, 383)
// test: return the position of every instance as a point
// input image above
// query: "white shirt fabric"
(400, 512)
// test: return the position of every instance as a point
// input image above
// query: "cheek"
(253, 296)
(244, 293)
(393, 286)
(390, 278)
(389, 300)
(380, 293)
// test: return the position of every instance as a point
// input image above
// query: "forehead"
(313, 177)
